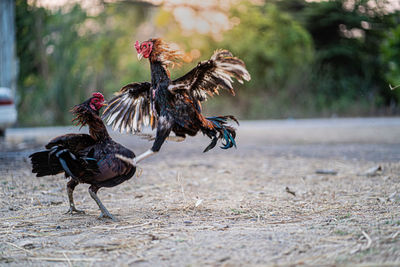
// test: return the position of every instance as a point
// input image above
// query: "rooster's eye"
(144, 46)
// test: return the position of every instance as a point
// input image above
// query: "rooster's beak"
(139, 56)
(105, 104)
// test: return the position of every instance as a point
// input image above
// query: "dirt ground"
(261, 204)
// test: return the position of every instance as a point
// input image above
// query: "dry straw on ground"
(264, 206)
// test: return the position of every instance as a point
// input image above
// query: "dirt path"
(220, 208)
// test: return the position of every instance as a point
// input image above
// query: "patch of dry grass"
(219, 209)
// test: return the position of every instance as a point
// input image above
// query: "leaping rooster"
(175, 105)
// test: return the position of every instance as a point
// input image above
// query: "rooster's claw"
(108, 216)
(73, 210)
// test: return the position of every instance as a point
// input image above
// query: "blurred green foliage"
(348, 75)
(306, 58)
(391, 57)
(278, 52)
(65, 56)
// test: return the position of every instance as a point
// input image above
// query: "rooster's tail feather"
(57, 160)
(222, 131)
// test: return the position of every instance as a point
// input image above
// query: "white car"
(8, 111)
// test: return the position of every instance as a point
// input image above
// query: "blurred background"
(307, 58)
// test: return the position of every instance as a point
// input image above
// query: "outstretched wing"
(130, 108)
(209, 76)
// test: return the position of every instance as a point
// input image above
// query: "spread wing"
(130, 108)
(210, 76)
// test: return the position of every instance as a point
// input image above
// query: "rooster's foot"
(104, 212)
(73, 210)
(108, 215)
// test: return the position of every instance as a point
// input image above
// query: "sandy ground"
(261, 204)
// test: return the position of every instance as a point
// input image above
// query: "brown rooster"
(85, 158)
(175, 105)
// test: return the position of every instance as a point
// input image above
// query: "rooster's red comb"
(137, 46)
(98, 95)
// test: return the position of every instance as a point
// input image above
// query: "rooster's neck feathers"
(168, 54)
(84, 115)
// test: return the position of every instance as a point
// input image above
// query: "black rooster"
(175, 105)
(85, 158)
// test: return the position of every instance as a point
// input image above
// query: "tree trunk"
(8, 59)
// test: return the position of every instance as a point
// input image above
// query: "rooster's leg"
(104, 212)
(134, 161)
(70, 189)
(144, 155)
(163, 132)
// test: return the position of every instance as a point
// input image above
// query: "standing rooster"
(176, 105)
(86, 158)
